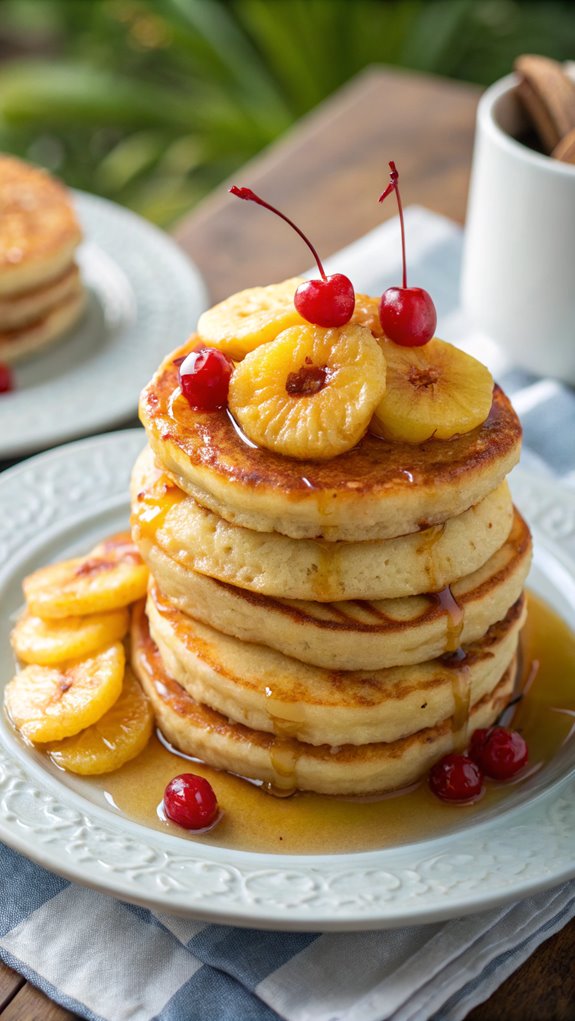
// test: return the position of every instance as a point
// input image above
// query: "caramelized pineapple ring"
(366, 313)
(249, 318)
(46, 642)
(112, 575)
(432, 391)
(311, 392)
(118, 736)
(49, 703)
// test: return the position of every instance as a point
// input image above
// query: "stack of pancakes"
(41, 293)
(335, 626)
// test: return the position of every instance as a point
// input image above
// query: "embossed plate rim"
(140, 284)
(496, 861)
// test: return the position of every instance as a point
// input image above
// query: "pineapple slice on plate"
(112, 575)
(120, 547)
(249, 318)
(311, 392)
(432, 391)
(49, 703)
(46, 642)
(118, 736)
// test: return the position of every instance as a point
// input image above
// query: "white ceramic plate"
(56, 505)
(144, 297)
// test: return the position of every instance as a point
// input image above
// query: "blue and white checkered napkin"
(106, 960)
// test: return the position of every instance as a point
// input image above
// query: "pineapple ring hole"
(308, 380)
(421, 379)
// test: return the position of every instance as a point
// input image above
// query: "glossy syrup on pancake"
(373, 464)
(308, 823)
(258, 687)
(354, 634)
(311, 569)
(377, 489)
(336, 767)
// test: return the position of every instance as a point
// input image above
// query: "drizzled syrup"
(152, 506)
(309, 823)
(454, 618)
(284, 754)
(426, 548)
(456, 660)
(324, 580)
(461, 692)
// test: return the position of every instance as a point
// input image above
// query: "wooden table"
(327, 174)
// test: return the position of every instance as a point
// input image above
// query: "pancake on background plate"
(41, 293)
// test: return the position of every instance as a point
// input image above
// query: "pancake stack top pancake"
(337, 569)
(41, 293)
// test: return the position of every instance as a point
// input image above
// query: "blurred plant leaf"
(35, 90)
(152, 102)
(439, 30)
(128, 160)
(215, 37)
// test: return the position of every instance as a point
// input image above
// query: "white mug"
(518, 277)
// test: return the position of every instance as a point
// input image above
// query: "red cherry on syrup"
(456, 778)
(6, 379)
(407, 314)
(500, 753)
(189, 801)
(328, 302)
(205, 378)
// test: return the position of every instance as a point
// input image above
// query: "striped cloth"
(109, 961)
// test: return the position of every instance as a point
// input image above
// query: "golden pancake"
(38, 227)
(26, 306)
(19, 343)
(277, 565)
(261, 688)
(377, 490)
(284, 762)
(355, 635)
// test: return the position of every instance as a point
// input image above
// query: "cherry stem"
(394, 186)
(250, 196)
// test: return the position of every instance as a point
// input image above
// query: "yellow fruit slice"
(121, 734)
(311, 392)
(432, 391)
(249, 318)
(112, 575)
(366, 313)
(118, 547)
(46, 642)
(49, 703)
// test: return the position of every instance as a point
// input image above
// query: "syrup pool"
(254, 820)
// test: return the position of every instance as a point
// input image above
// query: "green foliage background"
(152, 102)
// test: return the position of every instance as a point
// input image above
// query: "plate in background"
(144, 299)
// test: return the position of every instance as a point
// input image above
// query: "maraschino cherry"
(6, 379)
(205, 378)
(189, 801)
(500, 753)
(456, 778)
(407, 314)
(326, 302)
